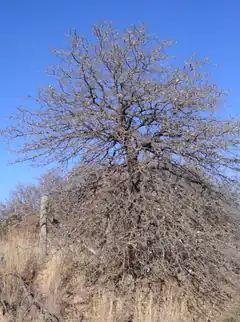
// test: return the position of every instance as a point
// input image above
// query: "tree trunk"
(133, 173)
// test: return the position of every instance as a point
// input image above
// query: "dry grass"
(18, 251)
(18, 270)
(46, 280)
(106, 308)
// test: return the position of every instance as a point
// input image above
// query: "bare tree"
(118, 100)
(24, 200)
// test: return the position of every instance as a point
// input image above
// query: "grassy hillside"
(52, 289)
(33, 289)
(178, 263)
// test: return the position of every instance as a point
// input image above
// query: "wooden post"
(43, 226)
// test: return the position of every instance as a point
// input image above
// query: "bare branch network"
(150, 149)
(118, 100)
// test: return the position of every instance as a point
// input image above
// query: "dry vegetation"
(145, 226)
(34, 289)
(84, 278)
(49, 289)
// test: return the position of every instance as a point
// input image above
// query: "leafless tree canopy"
(118, 100)
(151, 152)
(24, 200)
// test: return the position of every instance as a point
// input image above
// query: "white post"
(43, 226)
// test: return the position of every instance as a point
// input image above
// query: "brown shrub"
(172, 229)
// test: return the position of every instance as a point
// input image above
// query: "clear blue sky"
(28, 27)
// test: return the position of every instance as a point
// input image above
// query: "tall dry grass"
(106, 308)
(45, 280)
